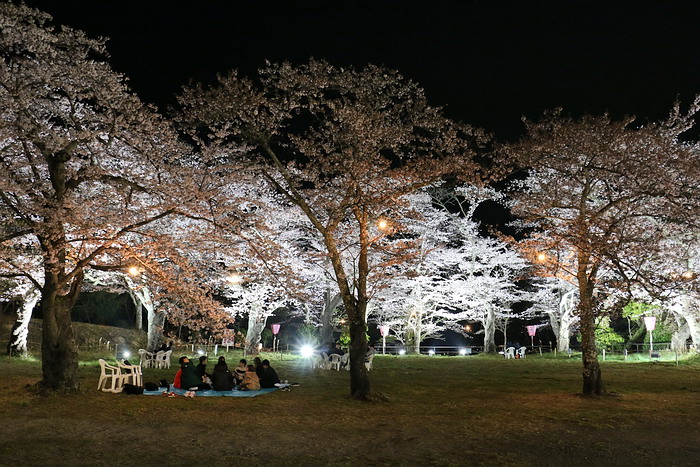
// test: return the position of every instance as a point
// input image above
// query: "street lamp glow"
(306, 351)
(127, 354)
(463, 351)
(402, 352)
(541, 257)
(431, 352)
(382, 224)
(200, 352)
(234, 279)
(134, 271)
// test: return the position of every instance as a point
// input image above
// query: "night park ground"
(438, 411)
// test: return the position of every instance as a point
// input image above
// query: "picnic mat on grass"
(211, 392)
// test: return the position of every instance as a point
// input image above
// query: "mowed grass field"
(475, 410)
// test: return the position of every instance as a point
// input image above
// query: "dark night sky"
(489, 62)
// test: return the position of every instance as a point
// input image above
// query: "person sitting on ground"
(221, 363)
(190, 379)
(269, 376)
(202, 368)
(336, 350)
(177, 381)
(221, 378)
(250, 382)
(240, 370)
(258, 366)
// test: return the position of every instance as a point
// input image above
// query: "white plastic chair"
(510, 352)
(109, 374)
(325, 363)
(157, 358)
(334, 361)
(162, 359)
(130, 374)
(166, 360)
(368, 362)
(521, 352)
(345, 361)
(146, 358)
(315, 360)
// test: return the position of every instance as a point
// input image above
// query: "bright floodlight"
(127, 354)
(431, 352)
(402, 352)
(462, 351)
(306, 351)
(234, 279)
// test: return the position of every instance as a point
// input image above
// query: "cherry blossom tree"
(344, 146)
(606, 190)
(456, 275)
(83, 164)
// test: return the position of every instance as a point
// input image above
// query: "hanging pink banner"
(650, 322)
(384, 330)
(275, 328)
(531, 330)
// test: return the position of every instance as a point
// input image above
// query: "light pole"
(531, 331)
(384, 331)
(650, 324)
(275, 330)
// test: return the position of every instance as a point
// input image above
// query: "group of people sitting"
(245, 377)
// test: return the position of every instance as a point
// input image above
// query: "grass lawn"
(441, 411)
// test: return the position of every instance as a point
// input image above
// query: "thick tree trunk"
(156, 322)
(689, 313)
(680, 335)
(592, 379)
(563, 320)
(59, 355)
(417, 333)
(330, 303)
(564, 335)
(139, 317)
(359, 380)
(17, 346)
(490, 332)
(256, 325)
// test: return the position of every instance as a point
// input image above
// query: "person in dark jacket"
(221, 378)
(269, 375)
(202, 367)
(189, 378)
(257, 363)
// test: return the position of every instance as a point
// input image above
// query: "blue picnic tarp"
(211, 392)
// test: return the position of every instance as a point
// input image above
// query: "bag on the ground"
(132, 389)
(163, 383)
(150, 386)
